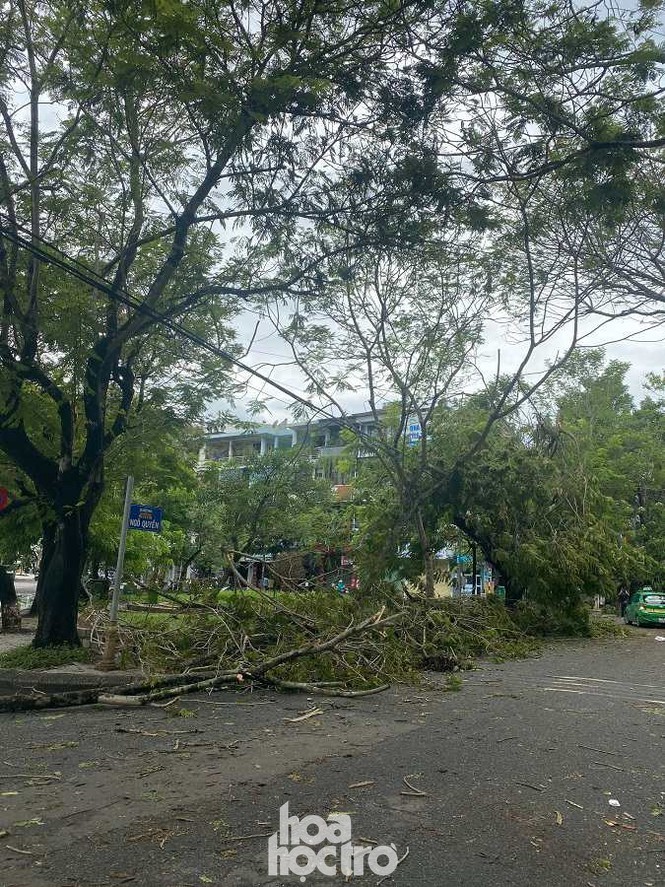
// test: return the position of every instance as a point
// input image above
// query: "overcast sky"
(643, 350)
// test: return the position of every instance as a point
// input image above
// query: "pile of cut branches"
(173, 685)
(315, 642)
(446, 635)
(248, 629)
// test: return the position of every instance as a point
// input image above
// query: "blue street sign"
(415, 433)
(145, 517)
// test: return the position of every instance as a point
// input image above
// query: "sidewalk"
(9, 640)
(60, 678)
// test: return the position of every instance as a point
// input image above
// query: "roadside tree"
(267, 505)
(137, 135)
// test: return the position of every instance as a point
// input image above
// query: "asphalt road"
(517, 772)
(26, 586)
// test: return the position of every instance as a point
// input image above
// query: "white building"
(322, 437)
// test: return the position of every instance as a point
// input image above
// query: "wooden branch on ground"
(322, 689)
(253, 674)
(23, 702)
(184, 605)
(169, 686)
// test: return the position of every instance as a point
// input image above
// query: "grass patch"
(29, 657)
(151, 621)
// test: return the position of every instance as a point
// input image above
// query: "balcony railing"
(330, 451)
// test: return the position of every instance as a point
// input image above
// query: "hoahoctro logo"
(312, 844)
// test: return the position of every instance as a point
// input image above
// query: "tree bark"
(11, 611)
(428, 558)
(48, 538)
(60, 573)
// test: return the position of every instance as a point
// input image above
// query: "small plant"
(453, 683)
(43, 657)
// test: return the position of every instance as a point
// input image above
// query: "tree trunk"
(59, 586)
(428, 557)
(48, 540)
(182, 577)
(94, 568)
(11, 610)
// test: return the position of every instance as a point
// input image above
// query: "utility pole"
(108, 660)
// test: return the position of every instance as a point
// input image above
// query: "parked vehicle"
(646, 607)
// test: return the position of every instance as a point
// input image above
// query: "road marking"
(566, 677)
(593, 691)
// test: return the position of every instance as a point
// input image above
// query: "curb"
(60, 681)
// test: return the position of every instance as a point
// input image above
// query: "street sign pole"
(108, 660)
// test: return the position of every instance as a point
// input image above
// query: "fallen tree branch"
(304, 621)
(23, 702)
(168, 686)
(322, 689)
(253, 674)
(122, 698)
(313, 647)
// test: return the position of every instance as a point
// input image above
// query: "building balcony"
(329, 451)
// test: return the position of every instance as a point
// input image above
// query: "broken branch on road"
(258, 672)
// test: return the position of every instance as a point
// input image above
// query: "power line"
(82, 272)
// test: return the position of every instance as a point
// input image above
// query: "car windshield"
(658, 599)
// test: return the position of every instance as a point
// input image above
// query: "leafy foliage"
(270, 503)
(194, 159)
(554, 503)
(247, 629)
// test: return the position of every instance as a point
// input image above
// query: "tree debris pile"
(248, 630)
(446, 635)
(316, 643)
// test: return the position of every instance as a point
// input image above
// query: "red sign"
(4, 498)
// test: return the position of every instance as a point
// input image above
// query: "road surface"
(544, 772)
(26, 586)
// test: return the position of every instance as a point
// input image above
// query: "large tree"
(269, 504)
(167, 123)
(566, 498)
(137, 135)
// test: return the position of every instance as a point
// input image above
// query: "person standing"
(623, 597)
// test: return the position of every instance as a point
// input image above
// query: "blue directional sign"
(145, 517)
(415, 433)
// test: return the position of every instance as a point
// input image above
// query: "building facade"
(319, 438)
